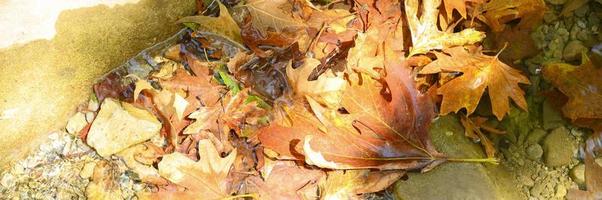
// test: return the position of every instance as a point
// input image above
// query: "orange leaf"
(479, 72)
(499, 12)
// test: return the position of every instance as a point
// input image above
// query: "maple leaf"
(425, 34)
(327, 89)
(392, 130)
(284, 181)
(205, 179)
(480, 72)
(222, 26)
(349, 184)
(582, 84)
(472, 129)
(272, 14)
(593, 172)
(498, 12)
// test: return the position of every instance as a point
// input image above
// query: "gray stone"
(578, 174)
(573, 50)
(550, 17)
(559, 147)
(457, 180)
(534, 152)
(119, 126)
(556, 2)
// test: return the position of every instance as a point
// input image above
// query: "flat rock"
(120, 125)
(559, 147)
(457, 180)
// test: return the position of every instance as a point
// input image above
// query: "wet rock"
(120, 125)
(556, 2)
(535, 136)
(559, 148)
(534, 152)
(573, 50)
(470, 181)
(578, 174)
(582, 11)
(551, 116)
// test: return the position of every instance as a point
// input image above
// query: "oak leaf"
(458, 5)
(282, 181)
(582, 84)
(205, 179)
(272, 14)
(479, 72)
(425, 34)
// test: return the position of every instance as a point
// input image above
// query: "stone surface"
(43, 81)
(76, 123)
(552, 118)
(534, 152)
(578, 174)
(457, 180)
(119, 126)
(559, 147)
(536, 136)
(573, 50)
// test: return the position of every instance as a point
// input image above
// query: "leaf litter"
(294, 99)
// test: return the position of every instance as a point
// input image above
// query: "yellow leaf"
(223, 26)
(480, 72)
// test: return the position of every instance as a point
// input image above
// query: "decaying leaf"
(425, 34)
(222, 26)
(480, 72)
(104, 185)
(582, 84)
(593, 172)
(272, 14)
(349, 184)
(472, 129)
(205, 179)
(499, 12)
(327, 89)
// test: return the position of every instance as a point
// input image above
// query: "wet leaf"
(593, 172)
(205, 179)
(497, 13)
(582, 84)
(479, 72)
(425, 34)
(222, 26)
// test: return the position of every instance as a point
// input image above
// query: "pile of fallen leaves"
(289, 99)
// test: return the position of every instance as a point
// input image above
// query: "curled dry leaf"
(425, 34)
(205, 179)
(582, 84)
(480, 72)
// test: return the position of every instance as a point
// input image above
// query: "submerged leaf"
(223, 25)
(480, 72)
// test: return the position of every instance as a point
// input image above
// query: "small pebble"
(578, 174)
(534, 152)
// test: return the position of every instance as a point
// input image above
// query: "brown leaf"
(349, 184)
(205, 179)
(582, 84)
(392, 120)
(285, 182)
(593, 172)
(480, 72)
(458, 5)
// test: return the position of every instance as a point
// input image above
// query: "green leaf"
(229, 82)
(223, 26)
